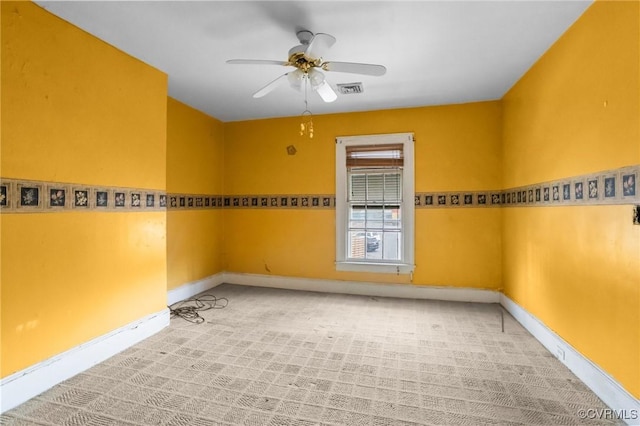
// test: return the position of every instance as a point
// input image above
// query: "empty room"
(320, 213)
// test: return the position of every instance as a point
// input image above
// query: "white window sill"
(389, 268)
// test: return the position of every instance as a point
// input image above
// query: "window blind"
(388, 155)
(375, 187)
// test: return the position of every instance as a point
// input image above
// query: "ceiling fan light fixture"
(296, 79)
(316, 78)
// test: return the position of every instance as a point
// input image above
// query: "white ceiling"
(436, 52)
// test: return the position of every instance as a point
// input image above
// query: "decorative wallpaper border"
(262, 201)
(181, 201)
(457, 199)
(619, 186)
(28, 196)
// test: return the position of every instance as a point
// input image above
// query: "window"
(374, 203)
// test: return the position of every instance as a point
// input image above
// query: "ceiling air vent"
(350, 88)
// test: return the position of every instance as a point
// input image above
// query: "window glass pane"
(357, 215)
(391, 244)
(374, 217)
(356, 245)
(392, 217)
(374, 245)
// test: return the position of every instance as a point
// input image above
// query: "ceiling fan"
(307, 58)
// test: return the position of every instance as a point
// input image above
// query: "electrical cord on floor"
(189, 309)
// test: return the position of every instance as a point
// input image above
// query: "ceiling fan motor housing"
(298, 59)
(297, 54)
(297, 50)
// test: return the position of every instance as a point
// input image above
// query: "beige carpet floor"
(280, 357)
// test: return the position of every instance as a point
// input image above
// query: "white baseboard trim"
(188, 290)
(406, 291)
(32, 381)
(600, 382)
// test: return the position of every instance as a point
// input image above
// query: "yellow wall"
(577, 111)
(458, 147)
(76, 110)
(195, 154)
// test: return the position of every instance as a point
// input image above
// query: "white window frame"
(406, 264)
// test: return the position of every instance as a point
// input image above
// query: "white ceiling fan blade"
(255, 62)
(326, 92)
(271, 86)
(319, 45)
(354, 68)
